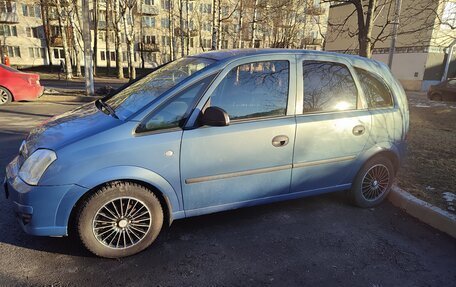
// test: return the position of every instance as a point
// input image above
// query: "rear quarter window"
(377, 94)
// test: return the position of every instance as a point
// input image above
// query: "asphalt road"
(316, 241)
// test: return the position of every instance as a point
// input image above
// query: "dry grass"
(430, 167)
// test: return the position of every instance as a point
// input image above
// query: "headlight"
(35, 165)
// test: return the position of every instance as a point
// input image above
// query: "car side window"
(254, 90)
(377, 94)
(328, 87)
(174, 113)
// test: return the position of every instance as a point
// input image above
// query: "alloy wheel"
(122, 223)
(375, 182)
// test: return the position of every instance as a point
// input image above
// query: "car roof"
(222, 56)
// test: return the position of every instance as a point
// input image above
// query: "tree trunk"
(66, 50)
(76, 46)
(219, 25)
(188, 28)
(95, 35)
(181, 24)
(214, 25)
(365, 27)
(130, 35)
(118, 29)
(240, 24)
(254, 24)
(108, 53)
(45, 19)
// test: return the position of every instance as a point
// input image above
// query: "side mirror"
(214, 116)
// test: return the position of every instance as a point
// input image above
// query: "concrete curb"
(65, 98)
(426, 212)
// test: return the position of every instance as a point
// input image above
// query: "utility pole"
(394, 36)
(88, 60)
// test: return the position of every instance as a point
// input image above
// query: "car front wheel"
(119, 219)
(373, 182)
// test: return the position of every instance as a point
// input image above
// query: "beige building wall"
(421, 43)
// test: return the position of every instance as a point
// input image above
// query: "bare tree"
(63, 17)
(107, 38)
(95, 11)
(75, 23)
(128, 11)
(117, 25)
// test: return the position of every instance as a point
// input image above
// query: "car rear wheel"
(5, 96)
(373, 182)
(436, 97)
(120, 219)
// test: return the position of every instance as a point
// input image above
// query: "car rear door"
(232, 166)
(333, 125)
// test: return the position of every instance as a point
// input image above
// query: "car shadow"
(181, 232)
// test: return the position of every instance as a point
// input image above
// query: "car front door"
(251, 158)
(333, 125)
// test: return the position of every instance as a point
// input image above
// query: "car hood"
(69, 127)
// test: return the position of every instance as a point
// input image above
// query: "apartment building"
(21, 32)
(31, 34)
(426, 30)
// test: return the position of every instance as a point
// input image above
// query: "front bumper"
(40, 210)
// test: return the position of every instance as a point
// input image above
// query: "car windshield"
(8, 68)
(137, 95)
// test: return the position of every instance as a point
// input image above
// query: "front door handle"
(359, 130)
(279, 141)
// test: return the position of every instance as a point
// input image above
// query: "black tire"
(370, 187)
(127, 201)
(436, 97)
(5, 96)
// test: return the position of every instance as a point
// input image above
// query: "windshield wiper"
(99, 103)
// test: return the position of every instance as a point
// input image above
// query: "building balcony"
(9, 17)
(315, 10)
(149, 10)
(56, 41)
(312, 41)
(149, 47)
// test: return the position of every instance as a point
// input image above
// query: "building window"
(8, 30)
(206, 8)
(7, 6)
(149, 40)
(165, 40)
(55, 31)
(113, 56)
(13, 51)
(103, 55)
(37, 52)
(149, 2)
(165, 4)
(31, 10)
(149, 21)
(34, 32)
(58, 54)
(165, 22)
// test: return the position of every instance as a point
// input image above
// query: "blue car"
(207, 133)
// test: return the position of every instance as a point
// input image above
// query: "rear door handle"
(359, 130)
(279, 141)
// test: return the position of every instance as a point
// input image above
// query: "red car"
(18, 86)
